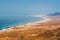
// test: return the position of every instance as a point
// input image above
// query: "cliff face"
(49, 30)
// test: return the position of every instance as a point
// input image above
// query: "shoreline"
(46, 19)
(33, 23)
(34, 31)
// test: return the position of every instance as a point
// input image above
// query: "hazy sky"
(28, 7)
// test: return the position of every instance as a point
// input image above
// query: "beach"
(27, 24)
(44, 30)
(29, 19)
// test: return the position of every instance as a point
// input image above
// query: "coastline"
(33, 23)
(45, 20)
(32, 31)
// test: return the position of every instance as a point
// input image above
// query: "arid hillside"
(49, 30)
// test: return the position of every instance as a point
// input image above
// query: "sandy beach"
(29, 19)
(41, 30)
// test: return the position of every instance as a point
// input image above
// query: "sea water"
(8, 22)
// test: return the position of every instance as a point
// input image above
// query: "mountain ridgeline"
(54, 14)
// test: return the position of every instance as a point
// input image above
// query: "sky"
(28, 7)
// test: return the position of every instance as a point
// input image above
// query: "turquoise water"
(7, 22)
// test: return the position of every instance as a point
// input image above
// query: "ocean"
(8, 22)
